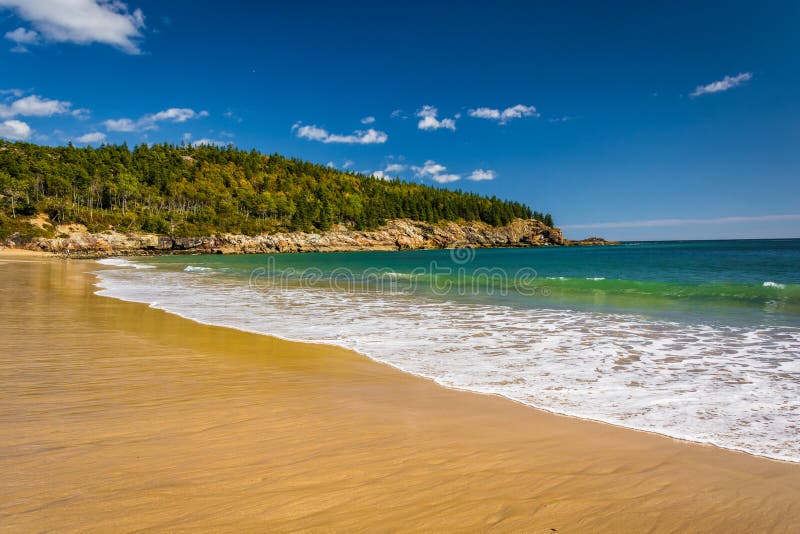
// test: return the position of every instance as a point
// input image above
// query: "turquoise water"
(756, 281)
(696, 340)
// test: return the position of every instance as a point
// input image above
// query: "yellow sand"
(117, 417)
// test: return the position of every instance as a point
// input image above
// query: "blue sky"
(627, 120)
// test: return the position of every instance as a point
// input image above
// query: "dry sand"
(117, 417)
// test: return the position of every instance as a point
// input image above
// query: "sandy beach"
(118, 417)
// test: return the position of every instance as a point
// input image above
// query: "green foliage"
(191, 191)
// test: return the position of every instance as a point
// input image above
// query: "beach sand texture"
(118, 417)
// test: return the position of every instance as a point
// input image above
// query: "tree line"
(185, 190)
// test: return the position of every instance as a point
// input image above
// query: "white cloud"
(429, 121)
(681, 222)
(446, 178)
(348, 163)
(15, 130)
(120, 125)
(34, 106)
(330, 165)
(503, 116)
(435, 172)
(359, 137)
(395, 167)
(22, 37)
(177, 115)
(391, 170)
(311, 132)
(368, 120)
(429, 168)
(399, 114)
(81, 113)
(368, 137)
(479, 175)
(79, 21)
(92, 137)
(149, 121)
(728, 82)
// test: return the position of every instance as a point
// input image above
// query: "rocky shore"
(400, 234)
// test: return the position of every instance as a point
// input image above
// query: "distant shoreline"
(398, 234)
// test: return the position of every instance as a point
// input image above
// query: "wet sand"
(118, 417)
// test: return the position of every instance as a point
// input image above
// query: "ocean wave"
(196, 268)
(732, 386)
(122, 262)
(700, 293)
(775, 285)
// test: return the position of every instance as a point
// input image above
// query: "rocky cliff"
(400, 234)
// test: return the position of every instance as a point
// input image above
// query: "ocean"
(697, 340)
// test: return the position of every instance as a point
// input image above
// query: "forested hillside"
(192, 191)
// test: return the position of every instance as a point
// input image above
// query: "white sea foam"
(736, 387)
(775, 285)
(597, 278)
(122, 262)
(196, 268)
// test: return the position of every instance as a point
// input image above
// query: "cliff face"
(400, 234)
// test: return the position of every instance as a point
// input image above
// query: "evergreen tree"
(187, 190)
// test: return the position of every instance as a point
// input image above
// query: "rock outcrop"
(400, 234)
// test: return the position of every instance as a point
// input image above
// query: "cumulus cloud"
(22, 37)
(728, 82)
(15, 130)
(151, 120)
(81, 114)
(368, 120)
(479, 175)
(359, 137)
(391, 170)
(503, 116)
(429, 120)
(120, 125)
(177, 115)
(434, 171)
(395, 167)
(91, 137)
(446, 178)
(34, 106)
(82, 22)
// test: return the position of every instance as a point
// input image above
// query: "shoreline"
(395, 234)
(591, 474)
(437, 383)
